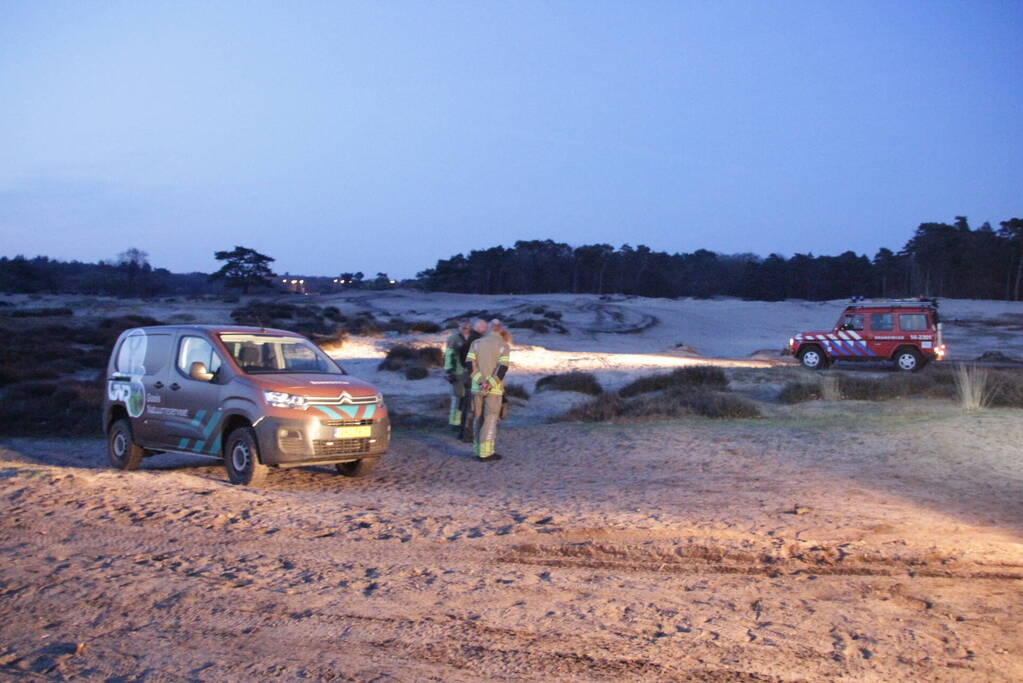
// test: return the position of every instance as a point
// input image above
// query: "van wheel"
(813, 358)
(908, 360)
(124, 453)
(241, 457)
(356, 468)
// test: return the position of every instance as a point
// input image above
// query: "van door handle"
(175, 386)
(158, 385)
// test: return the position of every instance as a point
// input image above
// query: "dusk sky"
(381, 136)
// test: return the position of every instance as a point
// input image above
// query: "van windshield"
(264, 354)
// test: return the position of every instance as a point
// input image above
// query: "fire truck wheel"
(908, 360)
(813, 358)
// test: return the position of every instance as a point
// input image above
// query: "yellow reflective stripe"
(471, 355)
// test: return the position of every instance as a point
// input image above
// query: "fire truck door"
(880, 335)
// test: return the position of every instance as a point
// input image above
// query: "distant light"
(284, 280)
(394, 282)
(294, 282)
(301, 282)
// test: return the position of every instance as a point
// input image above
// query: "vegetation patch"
(1007, 389)
(425, 327)
(516, 391)
(414, 361)
(46, 408)
(364, 325)
(416, 372)
(692, 376)
(306, 320)
(331, 342)
(541, 325)
(399, 326)
(699, 401)
(473, 315)
(40, 350)
(38, 313)
(581, 382)
(937, 383)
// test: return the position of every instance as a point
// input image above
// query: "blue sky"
(382, 136)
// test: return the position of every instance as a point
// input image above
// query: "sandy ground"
(849, 540)
(653, 551)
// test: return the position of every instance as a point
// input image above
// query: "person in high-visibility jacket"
(454, 351)
(487, 363)
(477, 330)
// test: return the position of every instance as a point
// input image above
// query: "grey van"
(255, 397)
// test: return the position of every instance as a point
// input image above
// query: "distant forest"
(941, 259)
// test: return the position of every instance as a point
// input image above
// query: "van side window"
(196, 350)
(912, 322)
(143, 354)
(882, 322)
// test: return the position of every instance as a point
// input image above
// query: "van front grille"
(342, 400)
(340, 447)
(346, 423)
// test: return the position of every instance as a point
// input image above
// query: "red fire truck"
(905, 331)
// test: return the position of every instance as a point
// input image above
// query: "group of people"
(476, 359)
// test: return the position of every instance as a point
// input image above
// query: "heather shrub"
(691, 376)
(516, 391)
(581, 382)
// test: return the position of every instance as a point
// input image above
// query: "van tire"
(908, 360)
(124, 453)
(356, 468)
(241, 458)
(813, 358)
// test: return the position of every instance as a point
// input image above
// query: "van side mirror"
(199, 371)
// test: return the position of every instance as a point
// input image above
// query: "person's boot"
(489, 458)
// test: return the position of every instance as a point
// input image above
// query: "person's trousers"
(457, 397)
(486, 413)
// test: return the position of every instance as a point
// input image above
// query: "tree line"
(128, 274)
(941, 259)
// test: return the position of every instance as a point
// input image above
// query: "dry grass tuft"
(974, 386)
(830, 389)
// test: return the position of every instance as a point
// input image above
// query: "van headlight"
(279, 399)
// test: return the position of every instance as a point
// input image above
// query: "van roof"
(219, 329)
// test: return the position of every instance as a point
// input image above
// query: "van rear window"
(142, 353)
(912, 322)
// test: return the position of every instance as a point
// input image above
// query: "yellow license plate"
(353, 432)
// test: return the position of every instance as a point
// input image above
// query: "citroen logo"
(346, 397)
